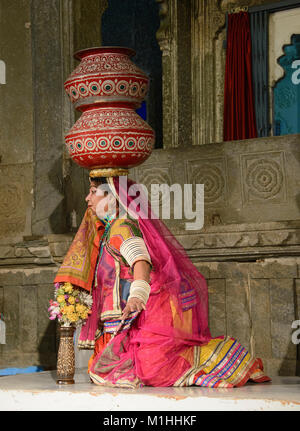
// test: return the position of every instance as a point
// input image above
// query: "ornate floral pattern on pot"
(106, 74)
(110, 136)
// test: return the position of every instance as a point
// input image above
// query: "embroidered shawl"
(79, 264)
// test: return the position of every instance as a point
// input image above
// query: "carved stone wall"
(257, 302)
(16, 113)
(249, 181)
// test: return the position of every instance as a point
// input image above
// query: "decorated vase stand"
(108, 139)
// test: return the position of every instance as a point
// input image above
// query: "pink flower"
(54, 309)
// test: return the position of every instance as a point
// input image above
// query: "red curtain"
(239, 111)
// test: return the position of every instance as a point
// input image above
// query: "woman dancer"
(149, 319)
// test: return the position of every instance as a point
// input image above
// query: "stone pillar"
(208, 65)
(48, 209)
(174, 38)
(184, 59)
(167, 39)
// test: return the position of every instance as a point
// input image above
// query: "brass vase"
(66, 356)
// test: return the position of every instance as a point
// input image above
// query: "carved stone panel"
(16, 200)
(212, 173)
(155, 174)
(263, 177)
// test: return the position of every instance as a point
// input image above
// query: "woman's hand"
(133, 304)
(141, 271)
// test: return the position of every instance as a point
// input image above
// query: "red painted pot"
(108, 87)
(106, 74)
(110, 137)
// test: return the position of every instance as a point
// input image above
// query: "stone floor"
(39, 392)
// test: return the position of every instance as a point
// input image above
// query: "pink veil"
(173, 270)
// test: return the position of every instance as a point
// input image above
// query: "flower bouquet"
(71, 307)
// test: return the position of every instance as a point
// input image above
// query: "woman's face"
(93, 198)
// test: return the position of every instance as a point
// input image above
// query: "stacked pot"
(107, 87)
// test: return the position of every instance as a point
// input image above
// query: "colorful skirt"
(221, 363)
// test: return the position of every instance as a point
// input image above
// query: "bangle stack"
(140, 289)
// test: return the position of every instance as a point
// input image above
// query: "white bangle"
(134, 249)
(140, 289)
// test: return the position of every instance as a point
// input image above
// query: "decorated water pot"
(106, 74)
(109, 136)
(107, 87)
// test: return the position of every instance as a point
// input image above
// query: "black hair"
(99, 180)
